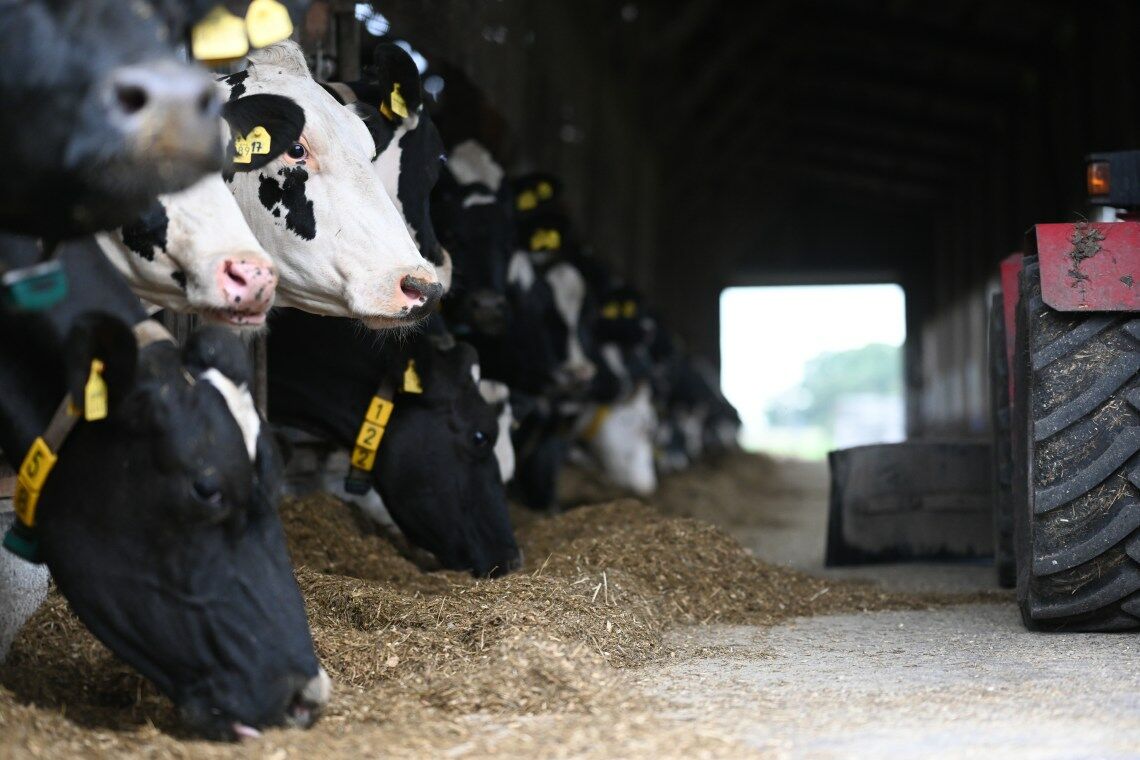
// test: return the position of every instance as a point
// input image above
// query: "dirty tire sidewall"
(1077, 419)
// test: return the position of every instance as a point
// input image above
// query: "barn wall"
(745, 154)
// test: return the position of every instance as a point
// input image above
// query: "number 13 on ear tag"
(95, 393)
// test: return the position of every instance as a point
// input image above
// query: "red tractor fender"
(1087, 266)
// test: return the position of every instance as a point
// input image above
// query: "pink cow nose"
(420, 295)
(248, 284)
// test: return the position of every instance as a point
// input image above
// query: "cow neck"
(41, 457)
(323, 372)
(369, 437)
(32, 344)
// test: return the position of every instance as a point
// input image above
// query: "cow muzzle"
(168, 114)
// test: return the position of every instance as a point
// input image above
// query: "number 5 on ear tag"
(412, 382)
(95, 394)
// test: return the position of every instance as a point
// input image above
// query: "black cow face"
(476, 227)
(436, 469)
(409, 150)
(160, 528)
(99, 115)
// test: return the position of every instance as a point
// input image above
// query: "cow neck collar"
(43, 454)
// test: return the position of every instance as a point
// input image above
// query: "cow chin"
(383, 322)
(243, 321)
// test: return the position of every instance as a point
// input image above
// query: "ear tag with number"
(526, 201)
(95, 394)
(267, 22)
(611, 310)
(412, 383)
(256, 142)
(220, 36)
(545, 190)
(546, 240)
(629, 309)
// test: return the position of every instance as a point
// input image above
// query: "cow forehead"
(328, 124)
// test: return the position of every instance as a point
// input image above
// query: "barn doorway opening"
(814, 367)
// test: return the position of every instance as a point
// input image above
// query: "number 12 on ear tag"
(95, 393)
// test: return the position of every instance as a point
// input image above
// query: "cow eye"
(480, 439)
(297, 151)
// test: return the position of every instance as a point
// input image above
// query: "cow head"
(340, 244)
(437, 469)
(193, 251)
(621, 436)
(99, 115)
(471, 210)
(160, 527)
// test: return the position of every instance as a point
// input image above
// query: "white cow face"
(493, 393)
(569, 289)
(623, 442)
(340, 244)
(193, 252)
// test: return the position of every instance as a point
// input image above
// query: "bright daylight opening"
(814, 368)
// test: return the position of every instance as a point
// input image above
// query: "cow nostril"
(234, 276)
(131, 98)
(410, 288)
(206, 102)
(207, 491)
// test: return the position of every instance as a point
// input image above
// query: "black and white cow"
(193, 251)
(340, 244)
(436, 468)
(410, 151)
(98, 115)
(159, 522)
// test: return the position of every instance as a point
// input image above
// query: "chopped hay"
(422, 662)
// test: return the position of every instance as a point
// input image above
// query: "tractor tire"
(1004, 562)
(1076, 470)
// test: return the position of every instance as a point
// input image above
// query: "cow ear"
(397, 82)
(262, 127)
(104, 347)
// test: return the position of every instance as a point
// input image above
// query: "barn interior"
(704, 145)
(711, 144)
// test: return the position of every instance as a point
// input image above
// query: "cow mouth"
(237, 317)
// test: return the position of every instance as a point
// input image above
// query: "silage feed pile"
(424, 662)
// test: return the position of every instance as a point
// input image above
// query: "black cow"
(435, 468)
(158, 522)
(97, 115)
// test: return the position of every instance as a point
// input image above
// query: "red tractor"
(1065, 368)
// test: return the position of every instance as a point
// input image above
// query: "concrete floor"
(951, 682)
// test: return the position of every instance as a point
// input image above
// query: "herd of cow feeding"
(150, 490)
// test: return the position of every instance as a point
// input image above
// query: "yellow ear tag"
(220, 36)
(545, 190)
(629, 309)
(267, 22)
(399, 107)
(546, 240)
(95, 394)
(257, 141)
(526, 201)
(412, 382)
(611, 310)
